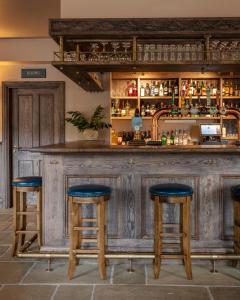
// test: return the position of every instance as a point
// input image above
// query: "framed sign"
(33, 73)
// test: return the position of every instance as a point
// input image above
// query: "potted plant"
(89, 127)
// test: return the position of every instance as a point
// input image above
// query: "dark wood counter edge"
(95, 147)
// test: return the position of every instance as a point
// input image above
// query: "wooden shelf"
(129, 118)
(190, 118)
(231, 97)
(124, 97)
(201, 97)
(158, 97)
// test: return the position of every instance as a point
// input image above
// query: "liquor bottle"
(172, 138)
(152, 92)
(113, 110)
(147, 90)
(176, 139)
(231, 89)
(147, 112)
(180, 137)
(226, 89)
(165, 89)
(143, 111)
(168, 138)
(161, 90)
(130, 89)
(185, 138)
(156, 89)
(170, 89)
(164, 138)
(191, 88)
(176, 88)
(127, 107)
(183, 91)
(152, 109)
(203, 89)
(142, 91)
(135, 91)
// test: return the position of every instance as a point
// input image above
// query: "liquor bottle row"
(124, 137)
(231, 88)
(159, 88)
(199, 88)
(166, 88)
(175, 137)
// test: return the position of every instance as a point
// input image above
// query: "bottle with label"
(156, 89)
(161, 90)
(147, 112)
(164, 138)
(165, 89)
(152, 92)
(147, 90)
(168, 138)
(226, 89)
(185, 138)
(135, 91)
(176, 88)
(130, 89)
(231, 89)
(172, 138)
(176, 139)
(170, 88)
(203, 89)
(143, 111)
(142, 91)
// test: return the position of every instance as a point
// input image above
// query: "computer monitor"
(210, 129)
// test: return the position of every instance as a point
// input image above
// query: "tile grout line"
(146, 274)
(209, 293)
(111, 274)
(55, 292)
(28, 272)
(93, 292)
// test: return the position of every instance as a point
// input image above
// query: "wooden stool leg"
(236, 231)
(157, 238)
(101, 237)
(72, 262)
(186, 237)
(15, 220)
(23, 220)
(77, 234)
(39, 216)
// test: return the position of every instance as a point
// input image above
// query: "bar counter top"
(97, 147)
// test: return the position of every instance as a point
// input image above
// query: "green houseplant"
(96, 122)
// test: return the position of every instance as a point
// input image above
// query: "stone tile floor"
(27, 279)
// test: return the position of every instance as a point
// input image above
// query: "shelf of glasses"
(200, 97)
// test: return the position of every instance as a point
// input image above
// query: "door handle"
(14, 148)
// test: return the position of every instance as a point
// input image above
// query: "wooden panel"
(25, 121)
(46, 112)
(1, 180)
(171, 212)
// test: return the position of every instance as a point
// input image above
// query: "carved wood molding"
(152, 27)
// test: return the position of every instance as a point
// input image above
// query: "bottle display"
(185, 98)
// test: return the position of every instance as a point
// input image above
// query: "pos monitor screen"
(210, 129)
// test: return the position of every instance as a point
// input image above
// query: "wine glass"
(126, 56)
(114, 56)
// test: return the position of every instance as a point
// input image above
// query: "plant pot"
(90, 134)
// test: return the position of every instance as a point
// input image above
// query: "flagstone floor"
(27, 279)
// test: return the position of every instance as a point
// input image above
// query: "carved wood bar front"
(129, 171)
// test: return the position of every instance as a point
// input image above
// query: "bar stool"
(236, 197)
(77, 196)
(21, 186)
(176, 194)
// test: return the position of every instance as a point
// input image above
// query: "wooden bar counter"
(130, 171)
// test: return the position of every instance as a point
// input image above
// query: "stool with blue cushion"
(96, 195)
(236, 197)
(176, 194)
(22, 210)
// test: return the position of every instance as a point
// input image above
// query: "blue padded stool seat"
(171, 190)
(30, 181)
(89, 190)
(236, 192)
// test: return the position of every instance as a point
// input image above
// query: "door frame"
(7, 87)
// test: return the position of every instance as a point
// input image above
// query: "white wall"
(149, 8)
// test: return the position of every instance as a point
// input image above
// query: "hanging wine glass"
(104, 55)
(94, 52)
(126, 46)
(115, 56)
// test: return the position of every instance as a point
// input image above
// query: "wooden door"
(36, 118)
